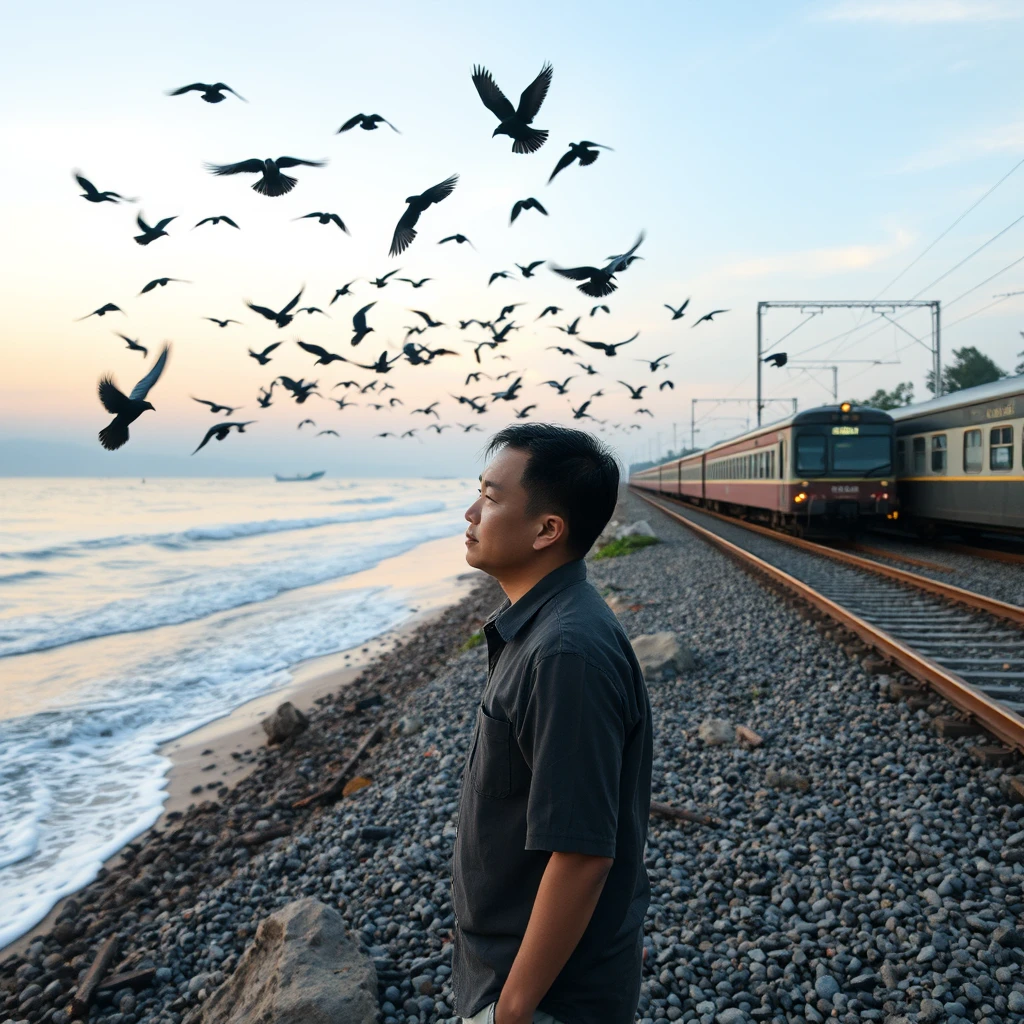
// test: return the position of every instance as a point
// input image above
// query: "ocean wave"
(21, 577)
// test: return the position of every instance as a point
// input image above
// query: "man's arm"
(568, 893)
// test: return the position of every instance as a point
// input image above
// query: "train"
(821, 472)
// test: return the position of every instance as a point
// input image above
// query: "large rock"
(285, 723)
(661, 654)
(716, 732)
(641, 528)
(300, 969)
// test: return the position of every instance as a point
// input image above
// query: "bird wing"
(341, 224)
(228, 220)
(533, 95)
(359, 319)
(86, 184)
(389, 124)
(253, 166)
(517, 208)
(262, 310)
(493, 98)
(576, 273)
(291, 305)
(533, 204)
(161, 224)
(141, 389)
(627, 341)
(143, 226)
(270, 348)
(294, 161)
(440, 191)
(112, 398)
(213, 430)
(315, 350)
(350, 123)
(588, 156)
(426, 316)
(203, 401)
(595, 344)
(404, 231)
(195, 86)
(563, 162)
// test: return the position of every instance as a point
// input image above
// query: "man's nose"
(472, 513)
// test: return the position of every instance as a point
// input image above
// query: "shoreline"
(231, 743)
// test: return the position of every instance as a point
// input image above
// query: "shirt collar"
(509, 619)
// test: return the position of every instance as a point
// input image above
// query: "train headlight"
(884, 483)
(798, 498)
(845, 407)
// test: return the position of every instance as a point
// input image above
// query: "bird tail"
(143, 239)
(276, 186)
(113, 435)
(598, 288)
(530, 141)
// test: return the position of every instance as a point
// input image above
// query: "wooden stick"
(333, 790)
(134, 980)
(668, 811)
(261, 836)
(90, 983)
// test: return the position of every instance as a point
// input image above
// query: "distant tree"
(1019, 368)
(970, 367)
(902, 394)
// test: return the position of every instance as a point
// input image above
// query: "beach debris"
(284, 724)
(301, 967)
(89, 985)
(356, 784)
(264, 835)
(662, 654)
(784, 778)
(336, 787)
(744, 734)
(641, 528)
(135, 980)
(407, 725)
(363, 703)
(716, 732)
(681, 814)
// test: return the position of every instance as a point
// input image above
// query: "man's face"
(501, 536)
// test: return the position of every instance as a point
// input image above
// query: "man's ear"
(552, 529)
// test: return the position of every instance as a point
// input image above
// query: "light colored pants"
(486, 1016)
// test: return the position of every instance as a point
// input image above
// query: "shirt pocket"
(491, 773)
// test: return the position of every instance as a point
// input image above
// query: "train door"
(781, 477)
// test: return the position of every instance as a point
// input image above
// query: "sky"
(783, 151)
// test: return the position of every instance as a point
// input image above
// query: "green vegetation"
(475, 640)
(902, 394)
(624, 546)
(969, 368)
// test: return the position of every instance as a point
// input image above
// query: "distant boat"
(292, 479)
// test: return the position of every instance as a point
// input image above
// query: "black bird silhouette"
(343, 403)
(282, 318)
(597, 394)
(414, 330)
(438, 426)
(221, 430)
(484, 344)
(345, 289)
(323, 356)
(221, 323)
(457, 238)
(215, 408)
(590, 370)
(271, 181)
(332, 432)
(375, 405)
(430, 410)
(162, 282)
(392, 402)
(300, 389)
(654, 363)
(387, 433)
(581, 412)
(777, 359)
(677, 313)
(522, 414)
(515, 122)
(409, 433)
(467, 427)
(134, 345)
(561, 350)
(475, 376)
(382, 365)
(510, 393)
(369, 387)
(666, 384)
(382, 282)
(647, 412)
(560, 388)
(501, 335)
(463, 324)
(107, 307)
(405, 230)
(264, 397)
(635, 393)
(585, 152)
(325, 218)
(525, 204)
(311, 310)
(571, 329)
(708, 316)
(496, 275)
(598, 280)
(359, 323)
(609, 350)
(415, 284)
(428, 319)
(215, 220)
(346, 384)
(596, 308)
(127, 408)
(505, 310)
(211, 93)
(368, 122)
(151, 234)
(529, 268)
(94, 195)
(554, 310)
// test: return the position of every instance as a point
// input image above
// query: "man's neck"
(519, 583)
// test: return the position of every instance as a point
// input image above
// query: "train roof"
(1007, 387)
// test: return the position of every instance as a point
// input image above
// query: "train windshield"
(862, 454)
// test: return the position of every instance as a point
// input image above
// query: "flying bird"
(311, 310)
(264, 397)
(522, 414)
(211, 93)
(571, 329)
(387, 433)
(457, 238)
(609, 350)
(501, 335)
(554, 310)
(405, 230)
(264, 357)
(382, 365)
(359, 323)
(655, 363)
(346, 384)
(525, 204)
(677, 313)
(382, 282)
(221, 430)
(438, 426)
(598, 280)
(496, 275)
(585, 152)
(647, 412)
(151, 234)
(282, 318)
(134, 346)
(127, 409)
(392, 402)
(162, 282)
(221, 323)
(596, 308)
(326, 218)
(708, 316)
(581, 412)
(666, 384)
(333, 433)
(635, 393)
(562, 350)
(467, 427)
(430, 410)
(777, 359)
(415, 284)
(515, 122)
(345, 289)
(505, 310)
(463, 324)
(590, 370)
(107, 307)
(215, 220)
(430, 321)
(300, 389)
(343, 403)
(530, 267)
(560, 388)
(215, 408)
(368, 122)
(323, 356)
(94, 195)
(271, 181)
(510, 393)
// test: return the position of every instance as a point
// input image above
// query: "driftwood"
(747, 735)
(668, 811)
(261, 836)
(134, 980)
(91, 982)
(334, 788)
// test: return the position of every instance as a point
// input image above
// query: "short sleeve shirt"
(560, 759)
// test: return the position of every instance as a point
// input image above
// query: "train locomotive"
(822, 472)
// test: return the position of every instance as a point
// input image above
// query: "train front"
(843, 465)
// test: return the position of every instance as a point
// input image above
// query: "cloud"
(922, 12)
(1007, 138)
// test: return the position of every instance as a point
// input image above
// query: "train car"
(822, 471)
(960, 460)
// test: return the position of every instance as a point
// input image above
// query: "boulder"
(285, 723)
(607, 535)
(301, 968)
(641, 528)
(661, 654)
(716, 732)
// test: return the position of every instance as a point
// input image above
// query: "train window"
(810, 453)
(938, 453)
(901, 457)
(782, 460)
(918, 455)
(1000, 448)
(973, 457)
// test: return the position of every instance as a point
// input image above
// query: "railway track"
(967, 647)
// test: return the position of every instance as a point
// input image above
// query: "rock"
(730, 1015)
(641, 528)
(1015, 1001)
(931, 1010)
(661, 654)
(744, 734)
(716, 732)
(64, 932)
(826, 986)
(300, 969)
(285, 723)
(407, 725)
(783, 778)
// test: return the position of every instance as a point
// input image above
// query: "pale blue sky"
(771, 151)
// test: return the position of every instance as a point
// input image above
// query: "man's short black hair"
(568, 472)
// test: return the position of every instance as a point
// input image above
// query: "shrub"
(625, 546)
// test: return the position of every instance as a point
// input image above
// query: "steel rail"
(998, 720)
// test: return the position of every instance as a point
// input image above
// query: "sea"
(132, 612)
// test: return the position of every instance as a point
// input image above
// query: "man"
(549, 886)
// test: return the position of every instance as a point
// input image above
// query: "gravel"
(863, 870)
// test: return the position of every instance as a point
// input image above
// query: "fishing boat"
(293, 479)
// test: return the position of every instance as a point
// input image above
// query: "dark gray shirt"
(560, 760)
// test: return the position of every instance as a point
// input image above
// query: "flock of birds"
(596, 281)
